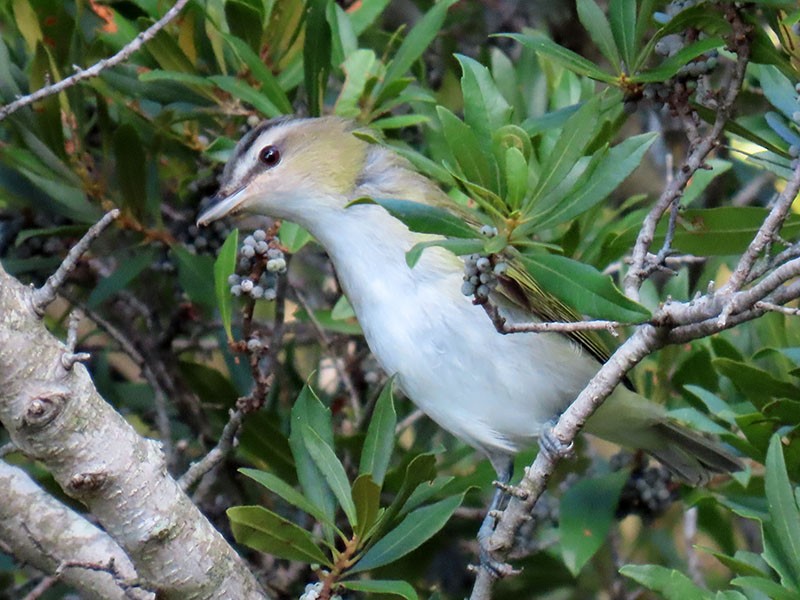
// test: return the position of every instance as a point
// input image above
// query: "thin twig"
(97, 68)
(226, 443)
(42, 297)
(355, 402)
(412, 418)
(69, 358)
(503, 326)
(769, 306)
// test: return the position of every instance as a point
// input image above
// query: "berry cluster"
(313, 591)
(262, 260)
(204, 240)
(481, 272)
(649, 491)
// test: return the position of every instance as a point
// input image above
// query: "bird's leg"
(552, 445)
(505, 468)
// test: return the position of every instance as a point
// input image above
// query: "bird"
(497, 393)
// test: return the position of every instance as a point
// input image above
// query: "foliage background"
(150, 137)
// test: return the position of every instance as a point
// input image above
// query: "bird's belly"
(493, 391)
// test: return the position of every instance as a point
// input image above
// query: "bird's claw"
(553, 446)
(496, 568)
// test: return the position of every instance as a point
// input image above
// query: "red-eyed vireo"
(495, 392)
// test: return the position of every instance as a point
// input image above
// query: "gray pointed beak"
(222, 206)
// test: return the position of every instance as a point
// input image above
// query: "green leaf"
(485, 108)
(358, 68)
(420, 470)
(309, 413)
(381, 586)
(573, 141)
(287, 492)
(784, 516)
(293, 236)
(263, 443)
(670, 66)
(367, 499)
(265, 531)
(671, 584)
(417, 528)
(332, 470)
(459, 247)
(131, 171)
(595, 22)
(586, 515)
(560, 55)
(270, 88)
(772, 590)
(622, 14)
(128, 270)
(243, 91)
(516, 177)
(224, 266)
(245, 22)
(316, 54)
(758, 385)
(418, 39)
(720, 231)
(193, 273)
(612, 170)
(423, 218)
(778, 89)
(366, 13)
(400, 121)
(583, 287)
(466, 149)
(379, 443)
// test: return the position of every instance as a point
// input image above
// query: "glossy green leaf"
(485, 108)
(612, 170)
(417, 40)
(757, 384)
(466, 149)
(130, 161)
(768, 588)
(343, 38)
(332, 470)
(367, 499)
(459, 247)
(420, 470)
(246, 93)
(224, 266)
(287, 492)
(596, 24)
(193, 276)
(383, 587)
(265, 531)
(423, 218)
(569, 148)
(358, 68)
(784, 516)
(191, 79)
(128, 270)
(714, 231)
(165, 49)
(262, 443)
(309, 413)
(400, 121)
(270, 88)
(778, 89)
(668, 583)
(379, 443)
(316, 54)
(516, 177)
(564, 57)
(622, 15)
(583, 287)
(293, 236)
(417, 528)
(586, 516)
(244, 22)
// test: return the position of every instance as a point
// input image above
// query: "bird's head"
(287, 167)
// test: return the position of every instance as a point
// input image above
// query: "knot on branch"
(84, 483)
(42, 409)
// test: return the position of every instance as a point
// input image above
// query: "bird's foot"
(496, 568)
(554, 446)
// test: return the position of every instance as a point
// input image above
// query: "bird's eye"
(269, 156)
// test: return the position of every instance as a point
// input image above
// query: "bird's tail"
(630, 420)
